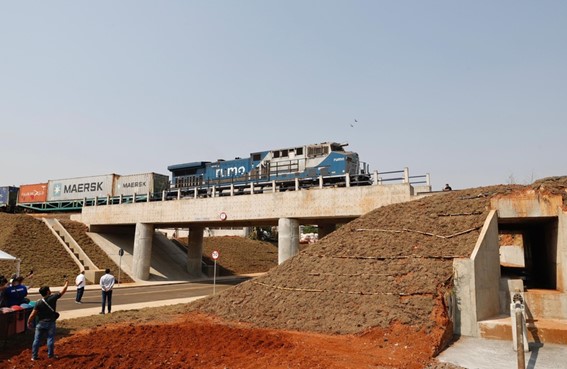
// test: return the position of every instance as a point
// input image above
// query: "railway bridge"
(325, 207)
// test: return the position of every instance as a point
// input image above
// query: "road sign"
(215, 256)
(120, 253)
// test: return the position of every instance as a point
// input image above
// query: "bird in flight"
(355, 121)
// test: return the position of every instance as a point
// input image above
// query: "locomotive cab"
(188, 175)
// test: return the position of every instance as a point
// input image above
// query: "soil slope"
(384, 267)
(30, 240)
(239, 255)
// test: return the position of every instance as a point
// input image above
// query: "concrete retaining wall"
(477, 281)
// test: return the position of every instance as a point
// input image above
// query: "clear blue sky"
(472, 92)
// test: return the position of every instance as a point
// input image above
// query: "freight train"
(323, 164)
(73, 193)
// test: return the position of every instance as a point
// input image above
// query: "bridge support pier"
(288, 238)
(195, 251)
(141, 256)
(325, 229)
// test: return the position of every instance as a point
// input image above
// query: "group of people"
(45, 310)
(13, 291)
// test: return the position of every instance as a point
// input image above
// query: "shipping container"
(140, 184)
(8, 196)
(79, 188)
(33, 193)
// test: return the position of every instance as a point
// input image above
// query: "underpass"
(325, 207)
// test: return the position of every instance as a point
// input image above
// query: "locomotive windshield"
(324, 148)
(338, 147)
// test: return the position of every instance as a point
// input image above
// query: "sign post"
(120, 253)
(215, 256)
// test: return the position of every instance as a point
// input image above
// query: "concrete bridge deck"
(309, 206)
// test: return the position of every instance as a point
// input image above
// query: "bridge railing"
(377, 178)
(400, 176)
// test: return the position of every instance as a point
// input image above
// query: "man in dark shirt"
(45, 311)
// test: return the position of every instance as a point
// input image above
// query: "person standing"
(106, 284)
(46, 311)
(80, 283)
(3, 286)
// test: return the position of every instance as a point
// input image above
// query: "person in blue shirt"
(16, 293)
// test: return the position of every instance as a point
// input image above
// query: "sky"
(472, 92)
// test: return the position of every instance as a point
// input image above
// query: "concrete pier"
(195, 250)
(142, 250)
(288, 238)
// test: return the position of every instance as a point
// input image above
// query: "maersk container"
(79, 188)
(30, 193)
(8, 196)
(140, 184)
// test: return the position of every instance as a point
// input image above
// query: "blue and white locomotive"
(324, 164)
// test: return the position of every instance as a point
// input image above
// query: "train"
(287, 169)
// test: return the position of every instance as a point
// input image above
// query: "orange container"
(33, 193)
(20, 321)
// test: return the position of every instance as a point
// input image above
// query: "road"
(123, 295)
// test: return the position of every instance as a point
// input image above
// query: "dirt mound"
(239, 255)
(384, 267)
(28, 238)
(31, 240)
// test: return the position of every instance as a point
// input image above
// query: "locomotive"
(326, 164)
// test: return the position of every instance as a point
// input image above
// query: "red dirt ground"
(201, 341)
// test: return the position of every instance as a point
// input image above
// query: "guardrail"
(400, 176)
(378, 178)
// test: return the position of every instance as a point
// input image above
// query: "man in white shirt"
(106, 284)
(80, 283)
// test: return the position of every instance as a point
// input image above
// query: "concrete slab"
(539, 330)
(478, 353)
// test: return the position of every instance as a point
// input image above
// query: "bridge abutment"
(142, 252)
(288, 238)
(195, 251)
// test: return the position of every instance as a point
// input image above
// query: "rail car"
(74, 193)
(8, 198)
(327, 164)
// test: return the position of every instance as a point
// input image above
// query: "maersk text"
(83, 187)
